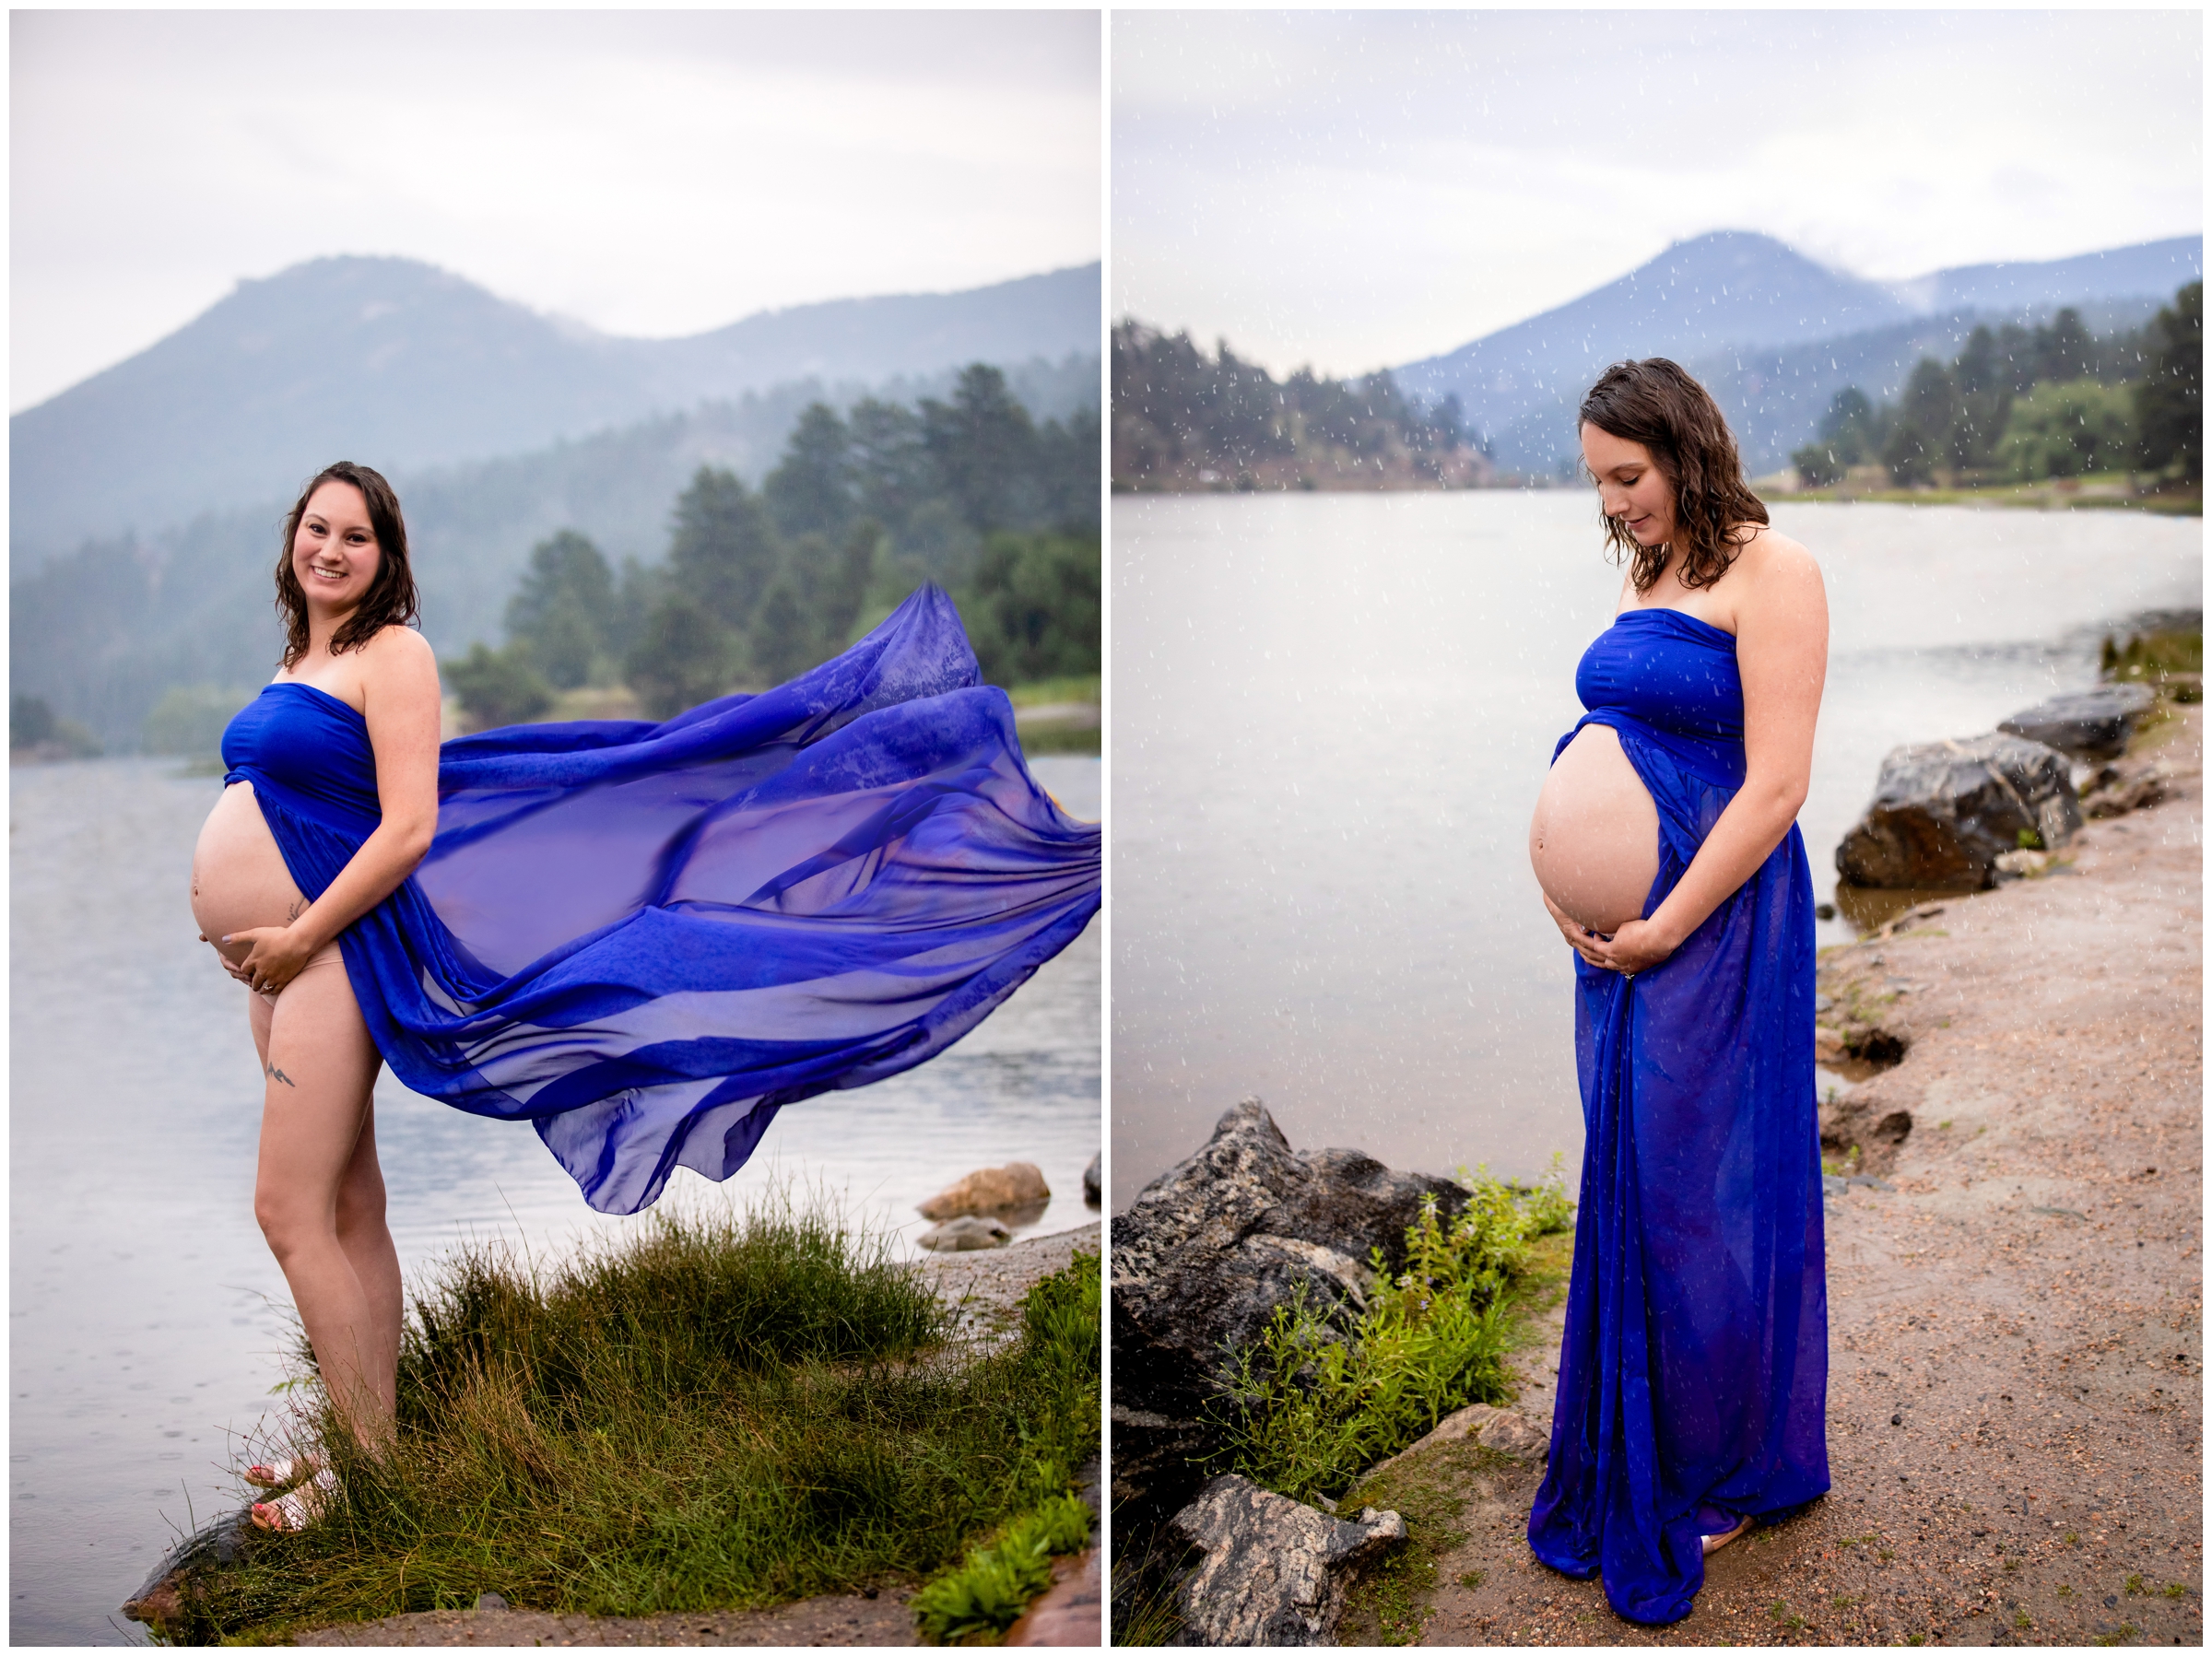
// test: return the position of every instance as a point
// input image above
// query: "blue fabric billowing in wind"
(1693, 1378)
(647, 938)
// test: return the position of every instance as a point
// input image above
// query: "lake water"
(1331, 717)
(147, 1321)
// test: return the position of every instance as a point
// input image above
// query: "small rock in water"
(1274, 1572)
(1824, 911)
(990, 1190)
(1092, 1190)
(965, 1235)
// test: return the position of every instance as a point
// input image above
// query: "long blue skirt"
(1693, 1376)
(646, 939)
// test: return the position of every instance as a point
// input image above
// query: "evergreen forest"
(2023, 405)
(863, 507)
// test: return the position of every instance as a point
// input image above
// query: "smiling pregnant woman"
(644, 939)
(1693, 1375)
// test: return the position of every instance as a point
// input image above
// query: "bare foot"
(282, 1474)
(302, 1507)
(1713, 1544)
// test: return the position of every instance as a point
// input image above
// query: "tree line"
(758, 585)
(2027, 404)
(1178, 411)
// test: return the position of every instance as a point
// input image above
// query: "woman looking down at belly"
(1693, 1372)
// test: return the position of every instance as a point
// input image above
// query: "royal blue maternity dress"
(1693, 1378)
(646, 939)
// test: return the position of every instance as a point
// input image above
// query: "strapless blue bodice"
(308, 749)
(1673, 678)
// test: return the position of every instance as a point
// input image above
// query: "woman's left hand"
(274, 957)
(1638, 947)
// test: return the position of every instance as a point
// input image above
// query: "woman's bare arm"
(1781, 652)
(401, 705)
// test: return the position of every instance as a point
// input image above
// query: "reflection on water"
(147, 1318)
(1332, 715)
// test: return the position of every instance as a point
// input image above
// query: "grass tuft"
(727, 1412)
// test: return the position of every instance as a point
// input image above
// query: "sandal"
(1713, 1544)
(281, 1475)
(289, 1513)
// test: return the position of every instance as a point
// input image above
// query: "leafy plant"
(1320, 1397)
(994, 1584)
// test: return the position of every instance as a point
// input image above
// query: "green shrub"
(1320, 1397)
(189, 719)
(499, 687)
(2068, 429)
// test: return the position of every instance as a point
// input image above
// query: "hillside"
(100, 631)
(408, 368)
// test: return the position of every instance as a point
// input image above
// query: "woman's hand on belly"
(275, 956)
(1638, 945)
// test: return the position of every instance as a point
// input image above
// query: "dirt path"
(2016, 1306)
(987, 1287)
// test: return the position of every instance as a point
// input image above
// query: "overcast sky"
(648, 174)
(1358, 190)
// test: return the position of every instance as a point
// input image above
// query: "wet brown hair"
(391, 600)
(1654, 402)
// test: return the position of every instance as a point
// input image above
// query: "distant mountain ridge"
(403, 365)
(1721, 302)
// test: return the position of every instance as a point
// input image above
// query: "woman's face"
(334, 554)
(1630, 487)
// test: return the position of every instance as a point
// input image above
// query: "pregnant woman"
(1693, 1376)
(644, 939)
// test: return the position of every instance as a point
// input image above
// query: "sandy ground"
(2015, 1307)
(987, 1287)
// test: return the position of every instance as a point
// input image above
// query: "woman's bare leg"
(318, 1192)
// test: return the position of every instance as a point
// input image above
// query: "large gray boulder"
(1944, 812)
(1271, 1571)
(1208, 1251)
(2089, 725)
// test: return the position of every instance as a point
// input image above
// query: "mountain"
(1774, 333)
(405, 366)
(1718, 290)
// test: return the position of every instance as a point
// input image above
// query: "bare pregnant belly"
(238, 878)
(1595, 840)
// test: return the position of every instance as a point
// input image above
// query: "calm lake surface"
(1331, 717)
(148, 1320)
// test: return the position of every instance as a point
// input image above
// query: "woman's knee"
(290, 1219)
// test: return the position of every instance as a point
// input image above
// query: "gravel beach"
(2016, 1299)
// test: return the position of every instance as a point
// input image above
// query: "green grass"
(994, 1584)
(724, 1413)
(1318, 1398)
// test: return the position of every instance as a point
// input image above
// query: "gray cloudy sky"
(1363, 189)
(650, 174)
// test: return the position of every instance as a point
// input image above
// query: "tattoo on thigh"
(277, 1075)
(296, 911)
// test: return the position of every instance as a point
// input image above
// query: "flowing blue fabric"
(648, 938)
(1693, 1376)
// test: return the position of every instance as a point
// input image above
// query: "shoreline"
(2015, 1302)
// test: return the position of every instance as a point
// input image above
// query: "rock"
(162, 1600)
(2025, 863)
(964, 1235)
(1207, 1250)
(1944, 812)
(990, 1191)
(1274, 1572)
(490, 1601)
(2115, 789)
(2095, 723)
(1092, 1190)
(1509, 1432)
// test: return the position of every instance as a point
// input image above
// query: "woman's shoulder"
(1768, 556)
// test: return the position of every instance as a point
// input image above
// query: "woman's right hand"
(1579, 938)
(236, 971)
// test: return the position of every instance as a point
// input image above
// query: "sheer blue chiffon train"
(1693, 1376)
(646, 939)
